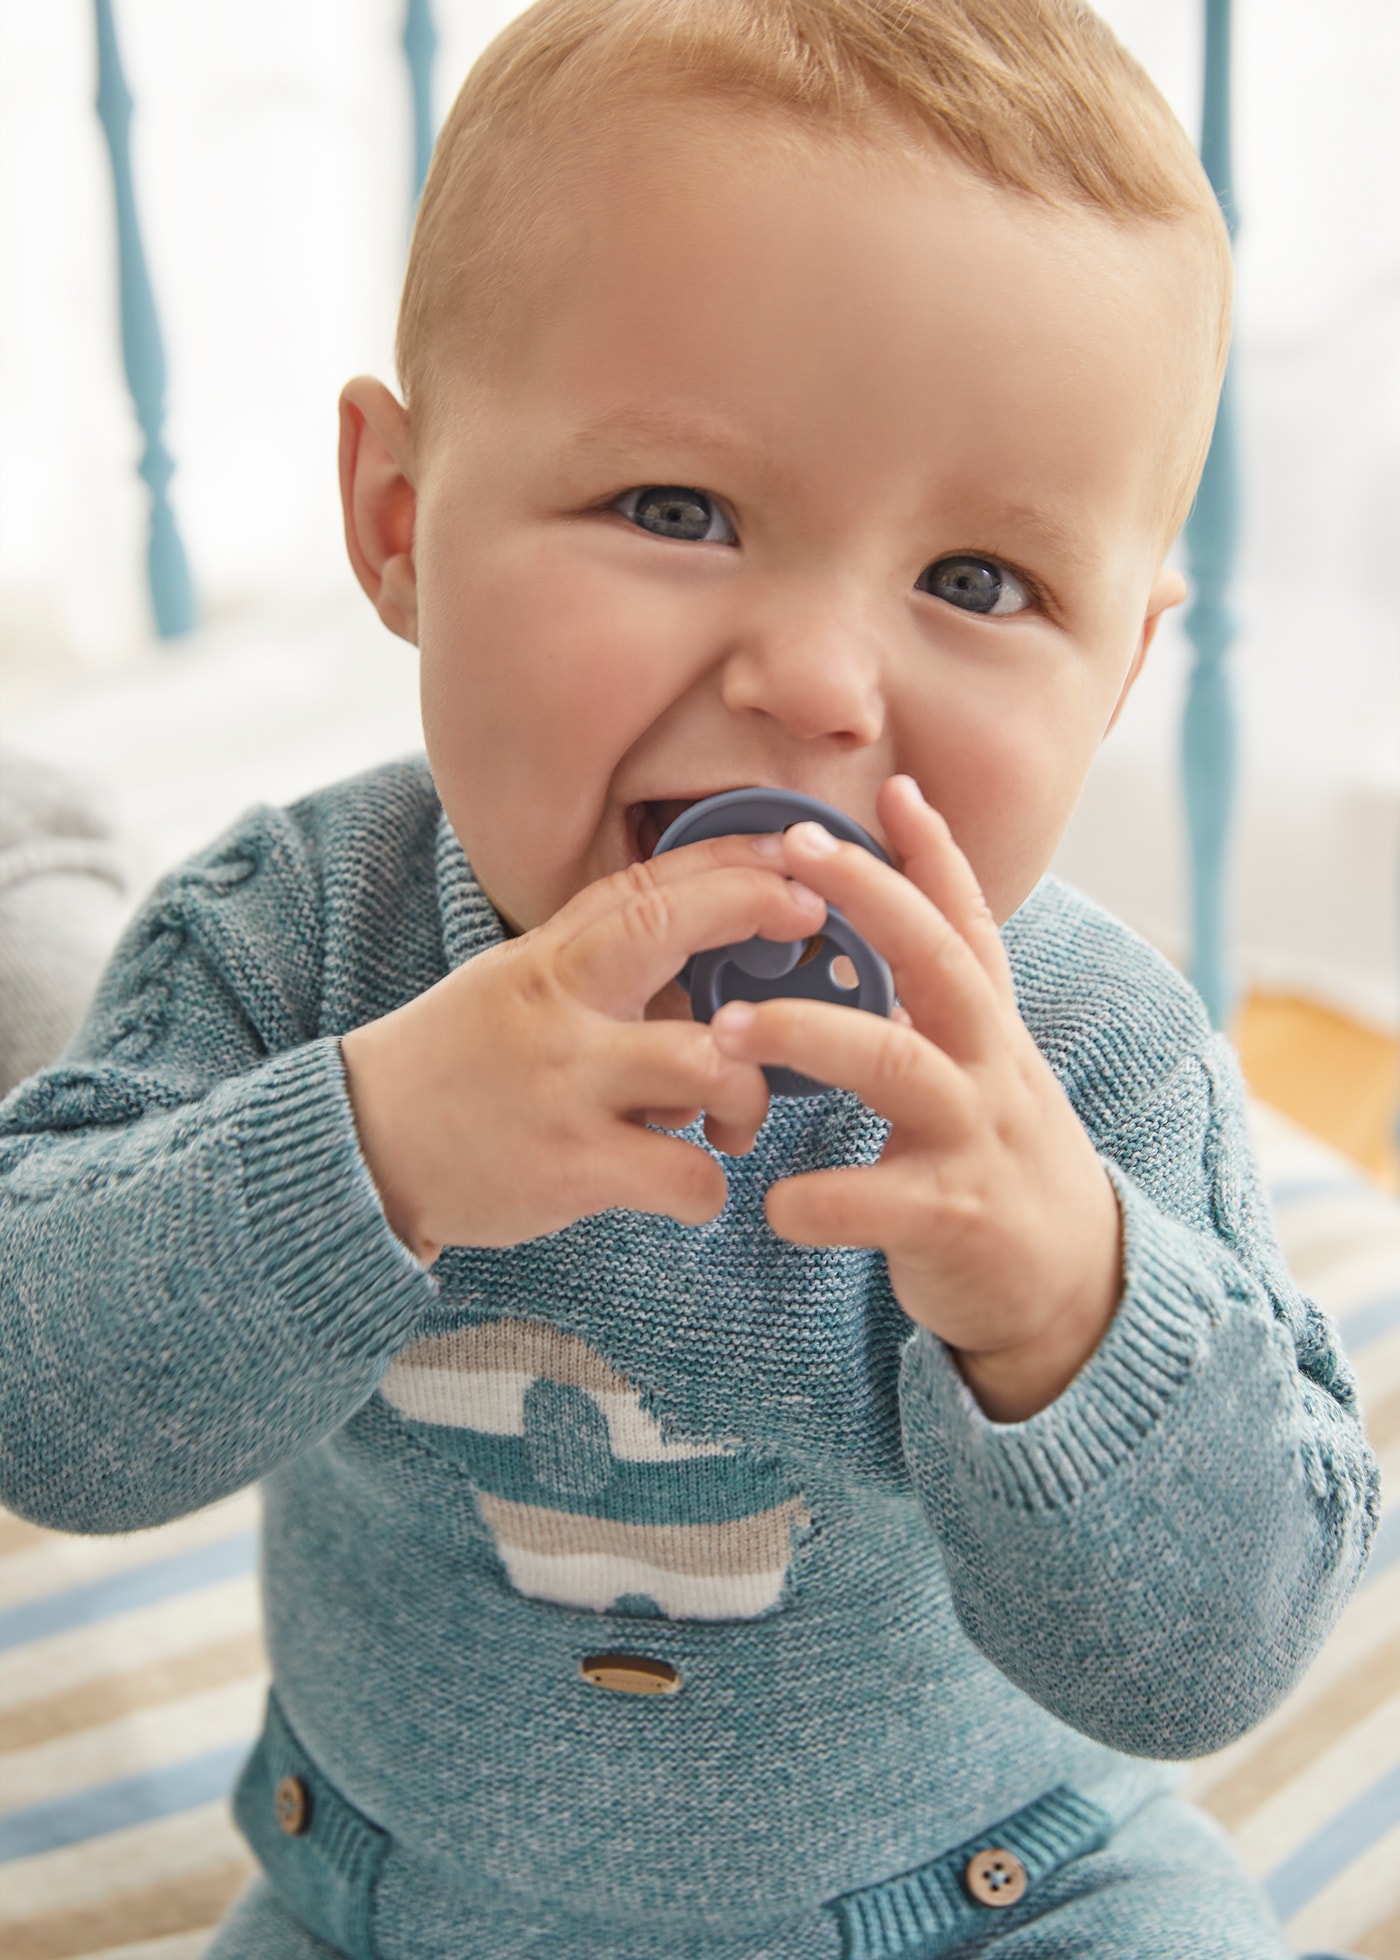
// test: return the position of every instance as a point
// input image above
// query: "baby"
(701, 1527)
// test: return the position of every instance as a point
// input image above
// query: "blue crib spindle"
(420, 45)
(1212, 530)
(172, 596)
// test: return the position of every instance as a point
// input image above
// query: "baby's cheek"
(1007, 817)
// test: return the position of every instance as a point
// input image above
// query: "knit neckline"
(470, 922)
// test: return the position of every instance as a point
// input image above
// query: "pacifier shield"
(766, 969)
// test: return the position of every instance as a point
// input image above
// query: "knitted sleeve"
(196, 1278)
(1157, 1555)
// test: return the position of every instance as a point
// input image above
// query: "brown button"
(292, 1804)
(630, 1674)
(995, 1877)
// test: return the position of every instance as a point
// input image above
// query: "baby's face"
(808, 468)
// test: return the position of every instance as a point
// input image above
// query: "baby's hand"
(999, 1225)
(512, 1098)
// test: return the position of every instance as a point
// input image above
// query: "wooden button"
(291, 1803)
(995, 1877)
(630, 1674)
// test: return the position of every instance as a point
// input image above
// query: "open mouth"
(647, 822)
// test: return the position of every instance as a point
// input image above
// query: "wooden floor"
(1336, 1078)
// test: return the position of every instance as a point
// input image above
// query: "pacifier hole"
(812, 948)
(843, 973)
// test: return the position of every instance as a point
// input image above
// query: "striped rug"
(132, 1676)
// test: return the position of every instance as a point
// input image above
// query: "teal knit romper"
(920, 1676)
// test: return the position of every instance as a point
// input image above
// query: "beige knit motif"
(477, 1379)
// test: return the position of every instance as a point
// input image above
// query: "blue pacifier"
(835, 965)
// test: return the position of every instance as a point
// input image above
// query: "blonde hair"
(1036, 96)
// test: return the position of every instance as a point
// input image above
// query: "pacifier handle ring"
(873, 992)
(772, 970)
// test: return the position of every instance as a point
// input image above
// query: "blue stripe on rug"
(142, 1799)
(134, 1800)
(1369, 1321)
(100, 1598)
(1342, 1840)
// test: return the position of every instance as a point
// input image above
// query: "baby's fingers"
(937, 975)
(668, 1071)
(932, 861)
(827, 1208)
(642, 1170)
(892, 1068)
(621, 957)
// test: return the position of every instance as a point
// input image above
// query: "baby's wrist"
(367, 1072)
(1015, 1382)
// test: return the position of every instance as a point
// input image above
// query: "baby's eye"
(976, 585)
(668, 511)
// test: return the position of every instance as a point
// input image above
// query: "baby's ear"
(1168, 589)
(377, 497)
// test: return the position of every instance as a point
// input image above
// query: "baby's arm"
(1135, 1441)
(197, 1280)
(1159, 1554)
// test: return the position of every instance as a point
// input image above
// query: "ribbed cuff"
(317, 1226)
(1171, 1298)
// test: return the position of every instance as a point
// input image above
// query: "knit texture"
(895, 1623)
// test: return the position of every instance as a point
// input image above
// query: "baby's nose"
(817, 670)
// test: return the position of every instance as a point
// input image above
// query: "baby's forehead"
(591, 188)
(679, 302)
(579, 182)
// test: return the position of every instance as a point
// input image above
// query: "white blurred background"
(272, 146)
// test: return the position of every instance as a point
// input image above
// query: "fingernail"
(814, 837)
(913, 788)
(766, 844)
(796, 886)
(735, 1017)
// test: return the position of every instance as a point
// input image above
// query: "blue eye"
(670, 511)
(975, 585)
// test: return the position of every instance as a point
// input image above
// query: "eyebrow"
(599, 439)
(1045, 526)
